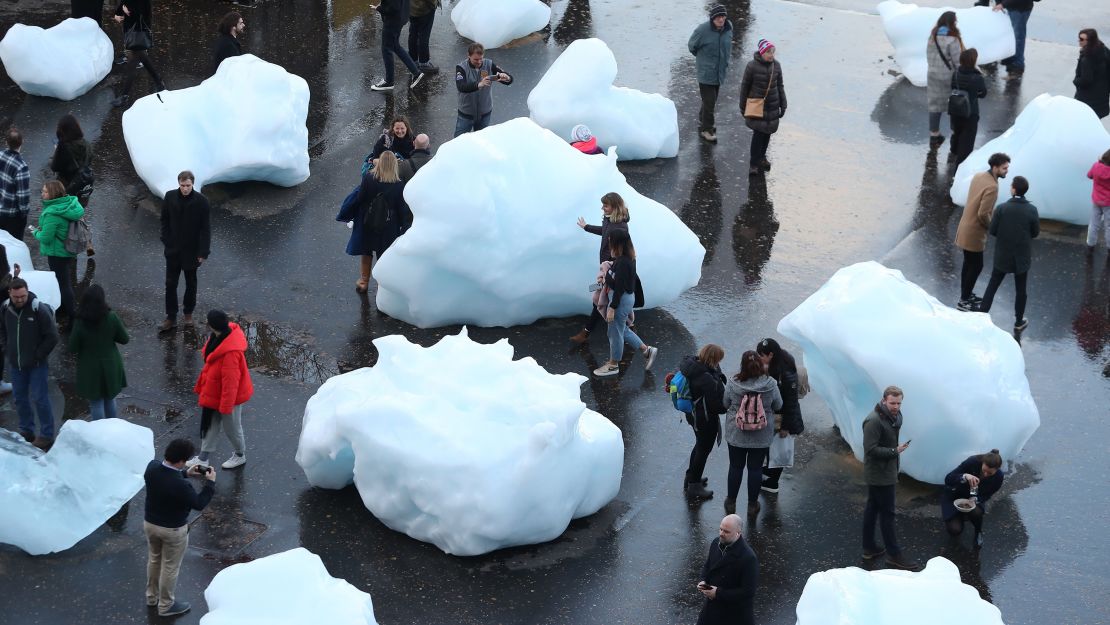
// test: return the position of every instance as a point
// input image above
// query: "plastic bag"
(781, 453)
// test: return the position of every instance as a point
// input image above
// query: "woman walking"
(95, 334)
(942, 56)
(782, 368)
(1100, 205)
(707, 392)
(378, 216)
(748, 448)
(72, 159)
(223, 386)
(137, 19)
(625, 293)
(58, 211)
(977, 478)
(614, 217)
(967, 79)
(763, 103)
(1092, 73)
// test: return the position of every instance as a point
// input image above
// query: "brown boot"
(188, 320)
(365, 264)
(168, 324)
(581, 337)
(43, 443)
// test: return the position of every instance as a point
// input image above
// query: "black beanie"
(217, 320)
(716, 11)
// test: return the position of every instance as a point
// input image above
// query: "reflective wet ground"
(851, 181)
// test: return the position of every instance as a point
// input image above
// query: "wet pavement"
(852, 181)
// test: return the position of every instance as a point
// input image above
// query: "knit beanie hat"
(717, 11)
(217, 320)
(764, 45)
(580, 133)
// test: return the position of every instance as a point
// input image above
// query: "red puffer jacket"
(225, 382)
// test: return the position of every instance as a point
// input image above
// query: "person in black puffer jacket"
(968, 79)
(1092, 73)
(707, 390)
(615, 218)
(72, 154)
(781, 366)
(758, 82)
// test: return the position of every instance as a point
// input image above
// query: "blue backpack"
(678, 387)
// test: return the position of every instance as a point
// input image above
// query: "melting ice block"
(1053, 144)
(964, 378)
(62, 62)
(42, 283)
(494, 23)
(507, 251)
(461, 446)
(908, 26)
(288, 588)
(247, 122)
(858, 597)
(50, 501)
(578, 89)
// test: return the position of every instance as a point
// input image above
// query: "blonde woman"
(378, 215)
(614, 217)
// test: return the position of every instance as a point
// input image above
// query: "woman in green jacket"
(58, 210)
(93, 338)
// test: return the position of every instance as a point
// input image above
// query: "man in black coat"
(227, 43)
(186, 237)
(729, 578)
(421, 154)
(1014, 225)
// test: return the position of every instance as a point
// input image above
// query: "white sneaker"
(607, 369)
(234, 462)
(194, 461)
(5, 388)
(652, 352)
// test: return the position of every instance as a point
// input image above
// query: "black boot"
(697, 490)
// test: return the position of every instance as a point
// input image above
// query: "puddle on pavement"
(279, 351)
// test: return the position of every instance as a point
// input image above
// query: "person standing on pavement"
(748, 448)
(136, 17)
(1100, 205)
(223, 386)
(978, 477)
(707, 392)
(394, 15)
(27, 336)
(711, 45)
(763, 102)
(942, 55)
(729, 578)
(7, 274)
(614, 217)
(186, 237)
(95, 334)
(473, 78)
(422, 15)
(72, 159)
(376, 225)
(421, 154)
(15, 186)
(971, 233)
(781, 367)
(58, 212)
(227, 42)
(169, 500)
(625, 294)
(967, 79)
(1092, 73)
(1018, 11)
(881, 452)
(1014, 226)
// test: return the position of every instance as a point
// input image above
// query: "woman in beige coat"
(943, 57)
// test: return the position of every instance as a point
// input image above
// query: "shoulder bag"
(941, 53)
(753, 107)
(959, 101)
(138, 37)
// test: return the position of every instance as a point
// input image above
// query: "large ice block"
(494, 23)
(62, 61)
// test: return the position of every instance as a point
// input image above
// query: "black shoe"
(935, 141)
(755, 170)
(967, 305)
(1021, 325)
(753, 508)
(975, 298)
(382, 85)
(416, 80)
(178, 607)
(765, 165)
(900, 561)
(27, 436)
(122, 100)
(697, 490)
(730, 505)
(427, 67)
(869, 554)
(769, 486)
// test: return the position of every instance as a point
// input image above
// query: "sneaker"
(169, 323)
(178, 607)
(871, 554)
(1021, 325)
(139, 66)
(5, 388)
(416, 80)
(652, 352)
(967, 305)
(194, 461)
(697, 490)
(382, 85)
(769, 487)
(708, 136)
(427, 67)
(122, 60)
(607, 369)
(975, 298)
(234, 462)
(900, 561)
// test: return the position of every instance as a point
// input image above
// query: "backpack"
(77, 237)
(678, 387)
(750, 416)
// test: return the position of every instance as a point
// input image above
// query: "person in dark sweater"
(227, 43)
(967, 79)
(1092, 73)
(169, 499)
(707, 392)
(625, 293)
(1014, 226)
(729, 578)
(979, 477)
(615, 218)
(781, 366)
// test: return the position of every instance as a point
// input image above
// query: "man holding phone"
(881, 453)
(473, 78)
(729, 578)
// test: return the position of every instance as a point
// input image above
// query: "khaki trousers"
(166, 547)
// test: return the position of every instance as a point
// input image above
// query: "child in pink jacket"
(1100, 204)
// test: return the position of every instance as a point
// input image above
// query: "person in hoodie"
(27, 336)
(881, 452)
(1092, 73)
(981, 473)
(781, 366)
(711, 45)
(707, 391)
(614, 217)
(227, 42)
(748, 448)
(58, 211)
(763, 80)
(1100, 205)
(223, 386)
(583, 140)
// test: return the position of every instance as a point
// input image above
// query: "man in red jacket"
(223, 387)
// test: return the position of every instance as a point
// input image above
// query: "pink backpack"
(750, 416)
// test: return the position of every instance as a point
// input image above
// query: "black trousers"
(705, 435)
(707, 117)
(772, 475)
(964, 130)
(1020, 280)
(752, 458)
(64, 269)
(760, 141)
(969, 274)
(87, 8)
(420, 33)
(595, 318)
(880, 504)
(15, 226)
(133, 59)
(173, 274)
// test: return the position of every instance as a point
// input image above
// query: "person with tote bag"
(763, 102)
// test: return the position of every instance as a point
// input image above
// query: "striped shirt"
(15, 185)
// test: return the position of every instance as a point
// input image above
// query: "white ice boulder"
(578, 89)
(288, 588)
(50, 501)
(494, 23)
(247, 122)
(42, 283)
(964, 378)
(504, 250)
(461, 446)
(908, 27)
(853, 596)
(62, 62)
(1053, 144)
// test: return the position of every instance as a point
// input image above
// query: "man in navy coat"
(729, 578)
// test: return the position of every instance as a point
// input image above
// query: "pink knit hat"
(764, 45)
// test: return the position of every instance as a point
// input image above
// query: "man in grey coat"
(474, 77)
(711, 44)
(1014, 226)
(881, 452)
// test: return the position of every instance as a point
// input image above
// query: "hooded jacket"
(768, 389)
(707, 388)
(225, 381)
(1101, 175)
(711, 49)
(54, 224)
(880, 442)
(27, 335)
(757, 75)
(69, 157)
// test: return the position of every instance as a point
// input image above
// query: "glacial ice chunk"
(858, 597)
(578, 89)
(288, 588)
(908, 26)
(247, 122)
(50, 501)
(63, 61)
(461, 446)
(964, 378)
(507, 251)
(42, 283)
(1053, 143)
(494, 23)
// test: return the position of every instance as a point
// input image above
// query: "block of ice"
(62, 62)
(42, 283)
(578, 89)
(908, 26)
(494, 23)
(964, 378)
(50, 501)
(1053, 144)
(247, 122)
(461, 446)
(288, 588)
(487, 258)
(858, 597)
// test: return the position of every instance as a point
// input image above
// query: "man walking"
(421, 154)
(169, 499)
(472, 79)
(711, 44)
(881, 452)
(422, 15)
(27, 336)
(15, 186)
(971, 234)
(729, 578)
(1015, 224)
(1018, 11)
(394, 15)
(186, 237)
(227, 42)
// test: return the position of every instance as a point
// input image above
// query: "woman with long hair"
(1092, 73)
(378, 216)
(95, 334)
(58, 211)
(397, 138)
(748, 447)
(625, 293)
(614, 217)
(977, 479)
(72, 154)
(707, 393)
(942, 55)
(782, 368)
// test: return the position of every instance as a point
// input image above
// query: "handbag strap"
(941, 52)
(770, 79)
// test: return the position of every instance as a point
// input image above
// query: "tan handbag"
(753, 107)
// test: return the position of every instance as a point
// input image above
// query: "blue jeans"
(619, 331)
(1018, 19)
(31, 385)
(463, 124)
(391, 42)
(103, 408)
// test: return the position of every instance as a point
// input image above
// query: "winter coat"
(768, 389)
(226, 47)
(971, 234)
(413, 163)
(400, 217)
(734, 570)
(225, 381)
(941, 66)
(420, 8)
(604, 229)
(791, 410)
(69, 157)
(140, 14)
(54, 222)
(621, 278)
(707, 388)
(587, 147)
(395, 13)
(27, 335)
(1100, 173)
(475, 101)
(971, 81)
(1015, 224)
(754, 85)
(880, 443)
(186, 232)
(100, 372)
(956, 488)
(1092, 80)
(711, 49)
(401, 146)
